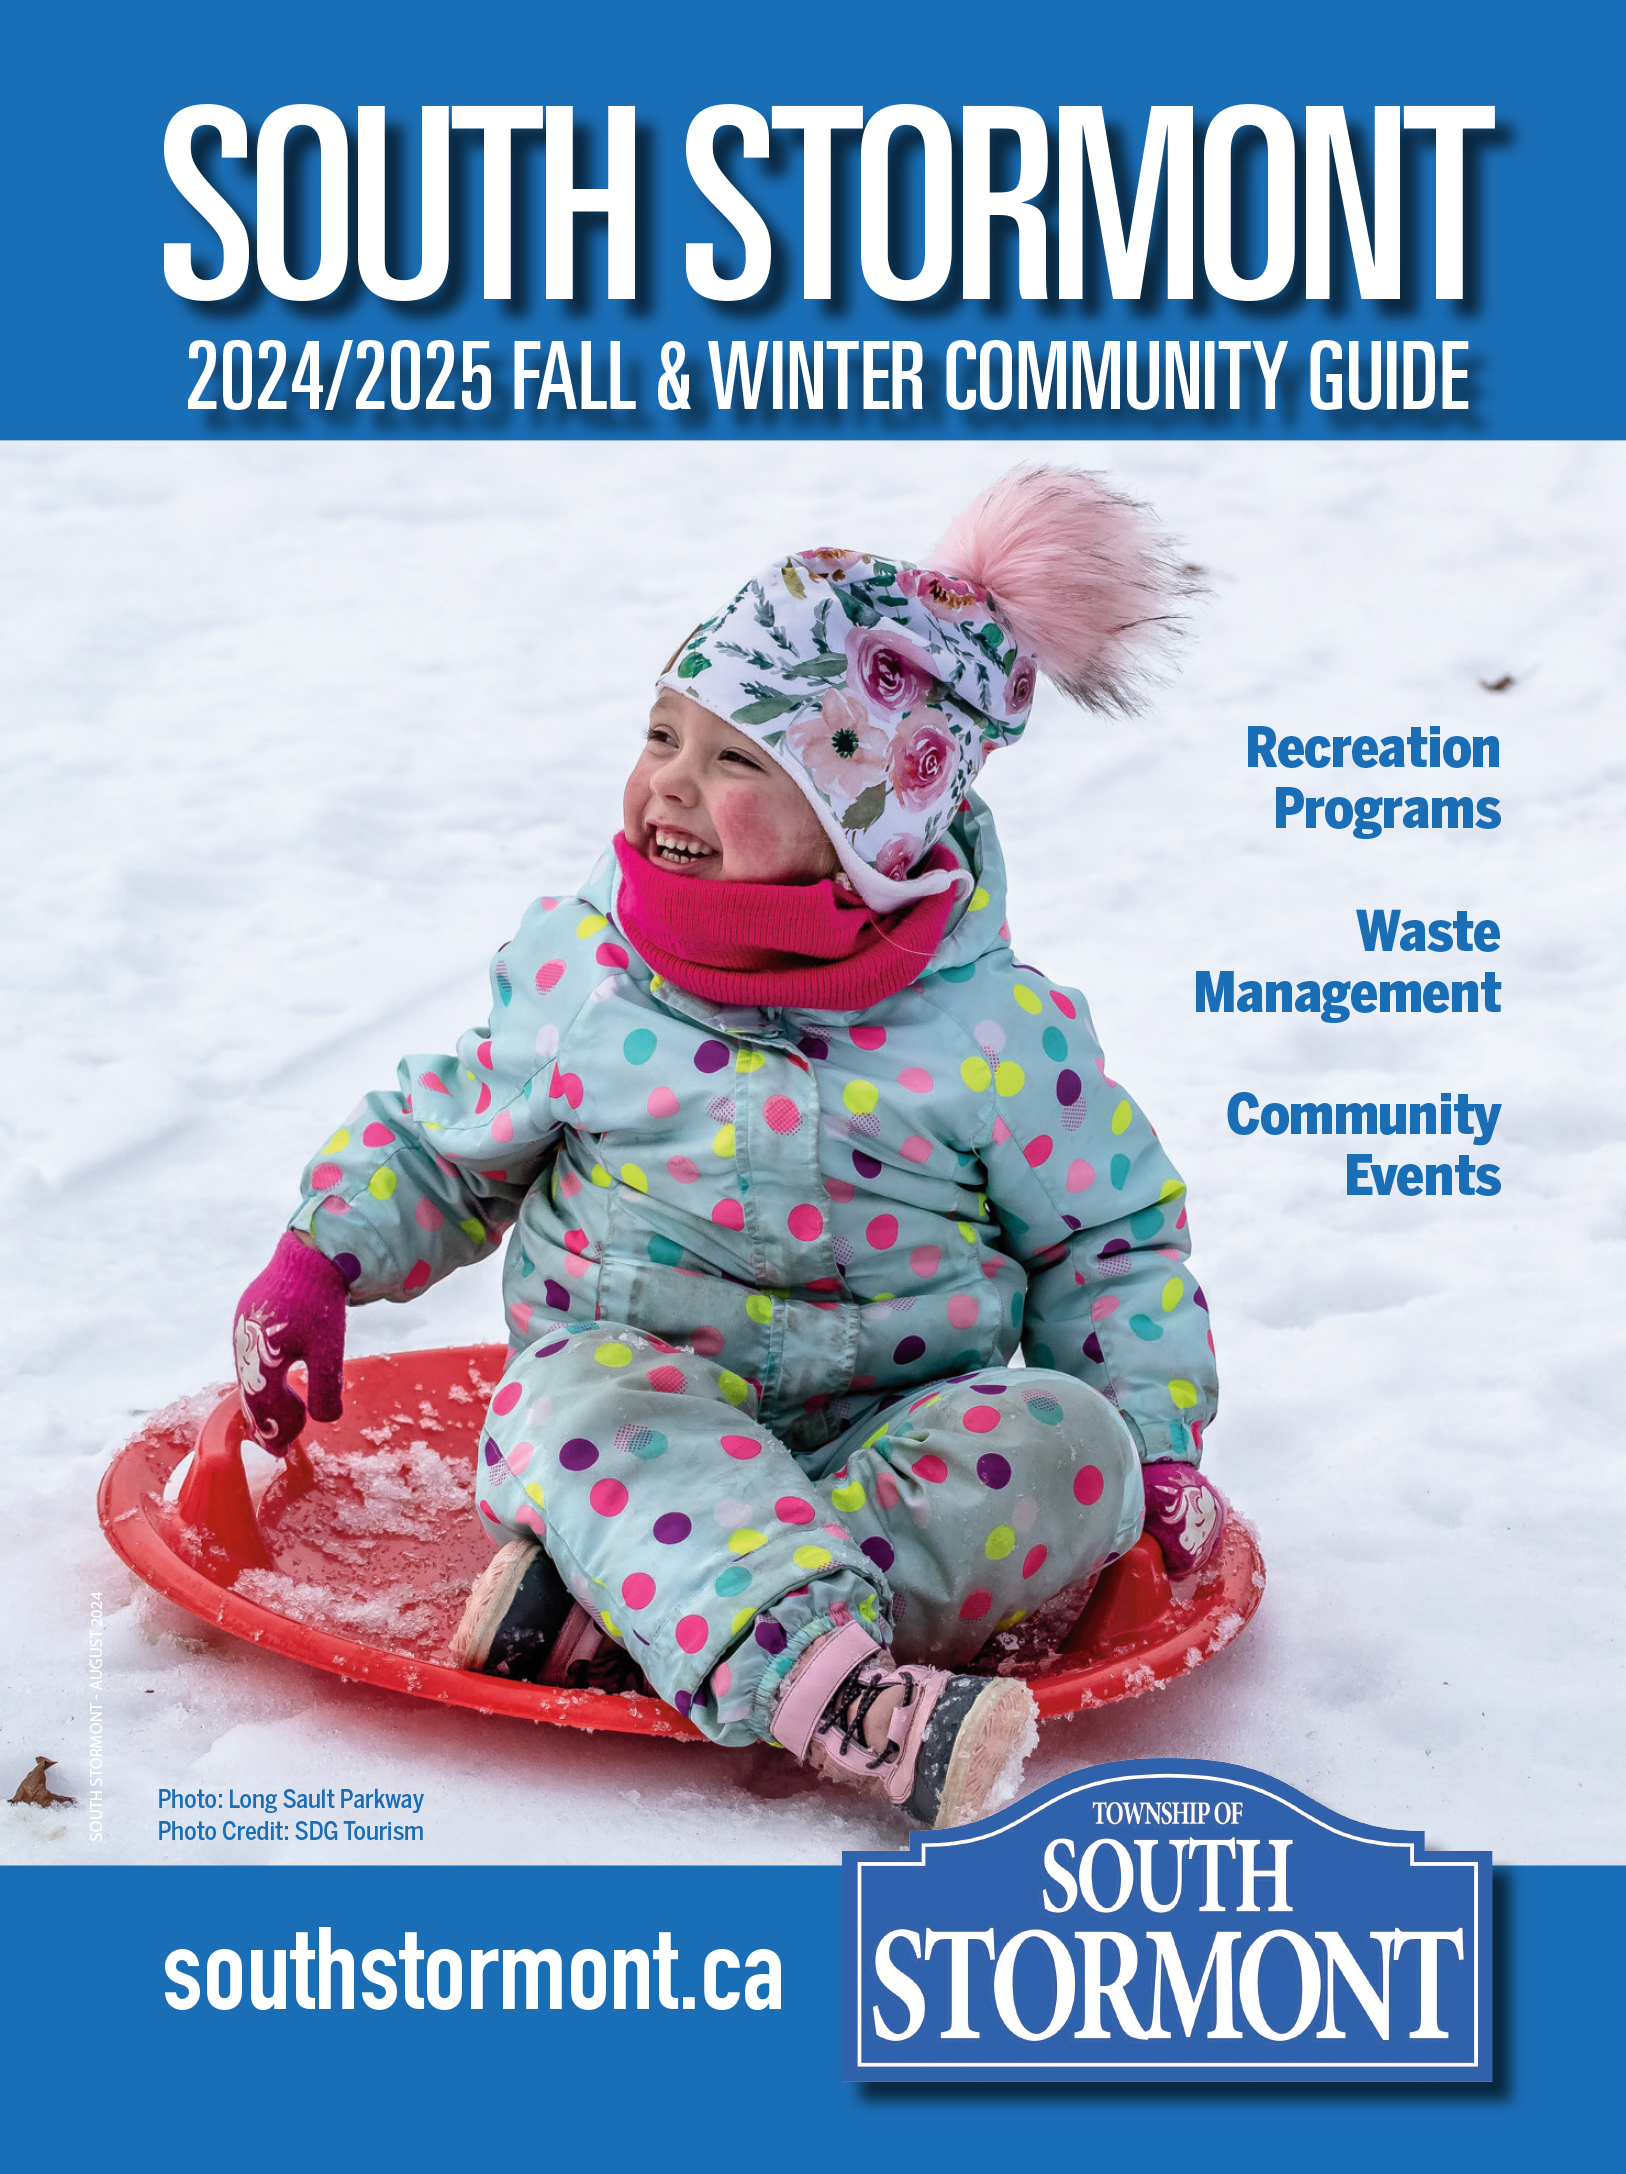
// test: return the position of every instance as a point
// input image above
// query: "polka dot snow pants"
(715, 1555)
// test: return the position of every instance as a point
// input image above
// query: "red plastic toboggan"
(359, 1555)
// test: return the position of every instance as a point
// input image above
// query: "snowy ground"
(292, 735)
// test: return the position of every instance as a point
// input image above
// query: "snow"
(294, 733)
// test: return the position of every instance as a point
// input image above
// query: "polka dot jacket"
(832, 1207)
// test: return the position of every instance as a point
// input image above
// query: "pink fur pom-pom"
(1078, 573)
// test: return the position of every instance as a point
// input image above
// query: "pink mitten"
(294, 1309)
(1185, 1514)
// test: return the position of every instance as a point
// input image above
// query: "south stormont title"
(1091, 237)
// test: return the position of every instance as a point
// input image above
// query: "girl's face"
(706, 801)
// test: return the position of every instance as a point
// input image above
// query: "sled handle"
(214, 1498)
(1132, 1595)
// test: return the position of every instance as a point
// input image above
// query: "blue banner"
(1067, 227)
(97, 2029)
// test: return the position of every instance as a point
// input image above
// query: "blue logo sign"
(1170, 1920)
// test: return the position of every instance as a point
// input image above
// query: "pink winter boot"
(946, 1749)
(520, 1622)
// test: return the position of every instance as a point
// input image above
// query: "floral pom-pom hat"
(881, 687)
(878, 686)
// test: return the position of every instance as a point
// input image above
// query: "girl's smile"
(706, 801)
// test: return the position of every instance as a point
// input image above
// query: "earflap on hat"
(888, 882)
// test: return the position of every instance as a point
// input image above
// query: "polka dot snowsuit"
(765, 1271)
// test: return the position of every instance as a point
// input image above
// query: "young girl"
(794, 1154)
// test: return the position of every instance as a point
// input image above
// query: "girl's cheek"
(635, 798)
(748, 832)
(769, 838)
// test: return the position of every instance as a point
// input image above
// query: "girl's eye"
(732, 754)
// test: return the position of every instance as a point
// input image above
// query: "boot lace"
(849, 1709)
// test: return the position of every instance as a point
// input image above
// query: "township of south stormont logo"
(1168, 1920)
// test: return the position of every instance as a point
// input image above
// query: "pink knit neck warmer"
(805, 945)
